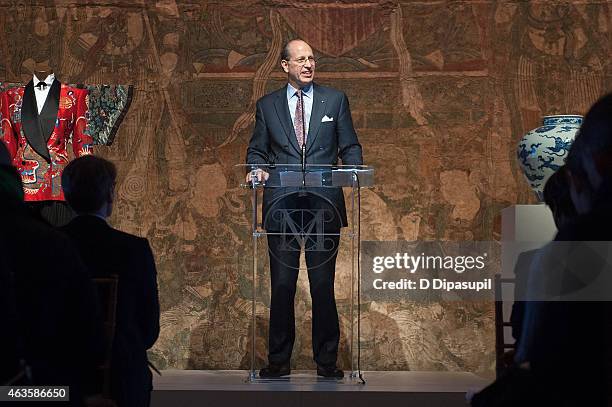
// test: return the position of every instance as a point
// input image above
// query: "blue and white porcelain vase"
(543, 150)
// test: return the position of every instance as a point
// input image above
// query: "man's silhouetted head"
(590, 159)
(89, 185)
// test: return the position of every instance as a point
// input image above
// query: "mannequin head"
(40, 69)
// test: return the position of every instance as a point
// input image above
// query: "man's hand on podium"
(257, 176)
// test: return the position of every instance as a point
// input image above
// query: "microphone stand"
(303, 164)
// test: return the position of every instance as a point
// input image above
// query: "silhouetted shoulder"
(40, 237)
(129, 239)
(106, 249)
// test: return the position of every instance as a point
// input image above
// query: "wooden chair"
(503, 350)
(107, 294)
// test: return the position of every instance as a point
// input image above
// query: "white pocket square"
(327, 119)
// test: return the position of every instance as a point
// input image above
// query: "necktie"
(299, 119)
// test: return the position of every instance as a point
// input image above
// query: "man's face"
(301, 66)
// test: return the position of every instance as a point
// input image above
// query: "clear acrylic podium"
(321, 184)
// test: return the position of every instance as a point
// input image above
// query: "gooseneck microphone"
(304, 164)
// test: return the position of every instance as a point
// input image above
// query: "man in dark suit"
(88, 184)
(565, 350)
(302, 120)
(557, 197)
(578, 328)
(49, 308)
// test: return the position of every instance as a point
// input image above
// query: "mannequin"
(42, 119)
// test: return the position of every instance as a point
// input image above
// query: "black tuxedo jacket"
(108, 251)
(274, 141)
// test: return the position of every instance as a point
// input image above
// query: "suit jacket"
(37, 142)
(55, 316)
(108, 251)
(274, 141)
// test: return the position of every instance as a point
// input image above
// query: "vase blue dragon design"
(543, 151)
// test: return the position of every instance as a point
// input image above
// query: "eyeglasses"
(302, 60)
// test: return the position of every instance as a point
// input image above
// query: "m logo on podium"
(305, 227)
(306, 222)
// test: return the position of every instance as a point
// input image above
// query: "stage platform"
(229, 388)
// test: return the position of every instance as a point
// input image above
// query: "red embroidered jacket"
(38, 143)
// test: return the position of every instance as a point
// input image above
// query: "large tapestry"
(440, 92)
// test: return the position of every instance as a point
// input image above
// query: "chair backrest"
(107, 294)
(501, 346)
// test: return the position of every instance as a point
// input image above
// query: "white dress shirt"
(307, 92)
(41, 94)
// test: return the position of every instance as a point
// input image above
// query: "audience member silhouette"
(52, 327)
(558, 199)
(567, 343)
(89, 184)
(565, 348)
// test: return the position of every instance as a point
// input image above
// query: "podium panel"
(303, 226)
